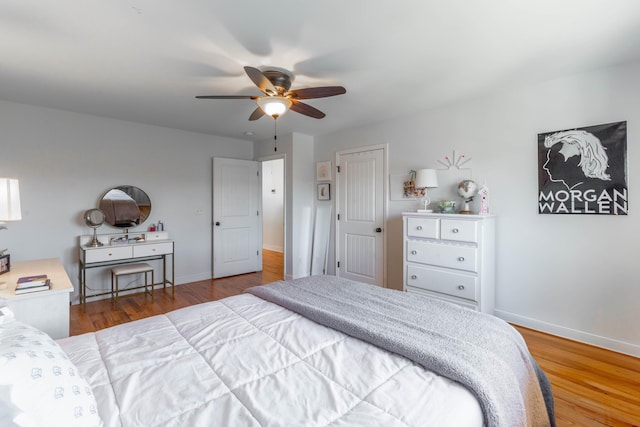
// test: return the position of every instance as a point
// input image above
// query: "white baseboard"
(193, 278)
(272, 248)
(572, 334)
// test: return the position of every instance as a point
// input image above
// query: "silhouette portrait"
(583, 170)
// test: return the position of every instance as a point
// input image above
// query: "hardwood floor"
(592, 387)
(101, 314)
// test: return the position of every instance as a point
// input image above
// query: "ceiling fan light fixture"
(274, 106)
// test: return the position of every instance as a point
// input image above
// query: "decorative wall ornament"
(453, 169)
(454, 161)
(583, 170)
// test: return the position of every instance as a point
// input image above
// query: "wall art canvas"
(583, 170)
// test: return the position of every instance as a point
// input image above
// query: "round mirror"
(125, 206)
(94, 218)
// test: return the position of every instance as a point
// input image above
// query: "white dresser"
(452, 257)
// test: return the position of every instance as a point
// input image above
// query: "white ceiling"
(145, 60)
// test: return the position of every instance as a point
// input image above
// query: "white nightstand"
(46, 310)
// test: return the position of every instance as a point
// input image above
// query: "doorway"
(273, 217)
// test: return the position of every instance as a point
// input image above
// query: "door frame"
(385, 204)
(261, 159)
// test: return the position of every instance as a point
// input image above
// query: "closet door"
(360, 225)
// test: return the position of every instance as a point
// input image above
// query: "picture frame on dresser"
(5, 263)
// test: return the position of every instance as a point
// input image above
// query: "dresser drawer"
(459, 285)
(423, 227)
(442, 255)
(459, 230)
(152, 249)
(107, 253)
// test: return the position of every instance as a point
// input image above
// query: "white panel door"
(237, 240)
(360, 243)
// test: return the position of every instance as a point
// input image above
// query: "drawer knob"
(455, 230)
(461, 287)
(414, 277)
(414, 252)
(461, 258)
(110, 254)
(419, 227)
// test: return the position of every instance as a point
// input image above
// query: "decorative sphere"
(467, 189)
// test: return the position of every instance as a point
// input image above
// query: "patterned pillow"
(39, 385)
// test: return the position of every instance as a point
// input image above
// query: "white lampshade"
(9, 200)
(274, 106)
(426, 178)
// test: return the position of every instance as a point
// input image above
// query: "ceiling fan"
(278, 99)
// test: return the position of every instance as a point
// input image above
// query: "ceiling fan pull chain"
(275, 133)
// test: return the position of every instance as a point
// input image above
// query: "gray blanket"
(482, 352)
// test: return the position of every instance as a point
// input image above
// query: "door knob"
(217, 223)
(378, 230)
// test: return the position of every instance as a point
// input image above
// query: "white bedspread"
(243, 361)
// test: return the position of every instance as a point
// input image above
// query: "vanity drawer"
(442, 255)
(145, 250)
(156, 235)
(107, 253)
(459, 230)
(459, 285)
(423, 227)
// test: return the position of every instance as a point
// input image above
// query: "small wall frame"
(324, 191)
(323, 171)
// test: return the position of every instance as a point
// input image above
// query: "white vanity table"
(155, 246)
(45, 310)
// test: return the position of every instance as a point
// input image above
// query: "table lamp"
(426, 178)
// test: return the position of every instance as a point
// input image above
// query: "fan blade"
(317, 92)
(226, 97)
(257, 113)
(307, 110)
(261, 81)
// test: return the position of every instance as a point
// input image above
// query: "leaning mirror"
(125, 206)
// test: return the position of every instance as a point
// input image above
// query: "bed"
(319, 351)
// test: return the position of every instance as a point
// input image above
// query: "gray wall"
(572, 275)
(66, 161)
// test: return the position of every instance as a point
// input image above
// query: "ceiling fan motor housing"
(279, 77)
